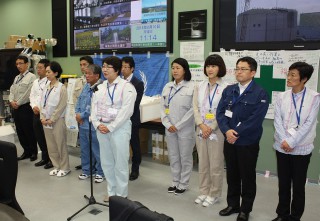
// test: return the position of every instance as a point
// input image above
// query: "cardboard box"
(10, 44)
(149, 109)
(144, 140)
(7, 133)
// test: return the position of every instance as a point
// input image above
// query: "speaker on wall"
(59, 27)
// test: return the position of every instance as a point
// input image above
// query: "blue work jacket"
(248, 112)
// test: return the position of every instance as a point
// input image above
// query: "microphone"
(94, 87)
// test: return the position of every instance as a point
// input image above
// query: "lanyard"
(44, 84)
(295, 105)
(46, 96)
(237, 99)
(170, 97)
(112, 96)
(20, 78)
(211, 99)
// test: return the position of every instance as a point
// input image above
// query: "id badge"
(209, 116)
(292, 131)
(112, 111)
(228, 113)
(167, 111)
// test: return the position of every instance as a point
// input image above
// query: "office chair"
(9, 173)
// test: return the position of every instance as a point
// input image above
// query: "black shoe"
(280, 219)
(243, 216)
(48, 165)
(179, 191)
(79, 167)
(172, 189)
(33, 157)
(41, 163)
(134, 175)
(23, 156)
(228, 211)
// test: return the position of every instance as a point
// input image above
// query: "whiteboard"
(280, 62)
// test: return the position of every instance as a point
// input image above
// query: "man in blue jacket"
(240, 114)
(83, 110)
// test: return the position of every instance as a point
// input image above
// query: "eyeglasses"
(107, 66)
(20, 63)
(241, 69)
(126, 67)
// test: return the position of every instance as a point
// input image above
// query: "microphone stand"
(91, 199)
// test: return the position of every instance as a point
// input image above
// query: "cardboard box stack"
(159, 148)
(11, 43)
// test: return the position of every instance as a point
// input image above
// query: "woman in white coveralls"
(112, 107)
(177, 117)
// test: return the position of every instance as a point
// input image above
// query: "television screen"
(273, 24)
(101, 26)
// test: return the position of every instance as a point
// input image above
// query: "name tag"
(292, 131)
(167, 111)
(209, 116)
(228, 113)
(213, 137)
(112, 111)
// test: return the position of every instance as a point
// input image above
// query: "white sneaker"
(53, 172)
(63, 173)
(200, 199)
(83, 176)
(210, 201)
(98, 179)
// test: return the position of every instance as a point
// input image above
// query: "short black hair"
(251, 61)
(96, 69)
(184, 63)
(45, 62)
(115, 62)
(87, 58)
(217, 60)
(56, 67)
(22, 57)
(129, 60)
(305, 70)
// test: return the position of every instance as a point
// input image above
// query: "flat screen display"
(273, 24)
(120, 25)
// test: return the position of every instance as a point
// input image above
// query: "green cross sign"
(268, 83)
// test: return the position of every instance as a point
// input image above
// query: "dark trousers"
(23, 119)
(41, 139)
(135, 146)
(292, 171)
(241, 164)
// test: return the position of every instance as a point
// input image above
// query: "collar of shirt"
(116, 81)
(243, 87)
(23, 74)
(298, 94)
(128, 78)
(179, 84)
(219, 82)
(55, 84)
(43, 80)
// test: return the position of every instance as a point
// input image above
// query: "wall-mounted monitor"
(266, 25)
(104, 26)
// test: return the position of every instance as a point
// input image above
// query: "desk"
(9, 214)
(154, 125)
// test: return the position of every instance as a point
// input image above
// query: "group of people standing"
(225, 122)
(113, 106)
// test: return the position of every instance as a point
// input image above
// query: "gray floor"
(48, 198)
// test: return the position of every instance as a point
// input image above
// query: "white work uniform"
(36, 91)
(178, 112)
(112, 106)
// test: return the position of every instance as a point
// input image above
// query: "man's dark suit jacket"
(138, 85)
